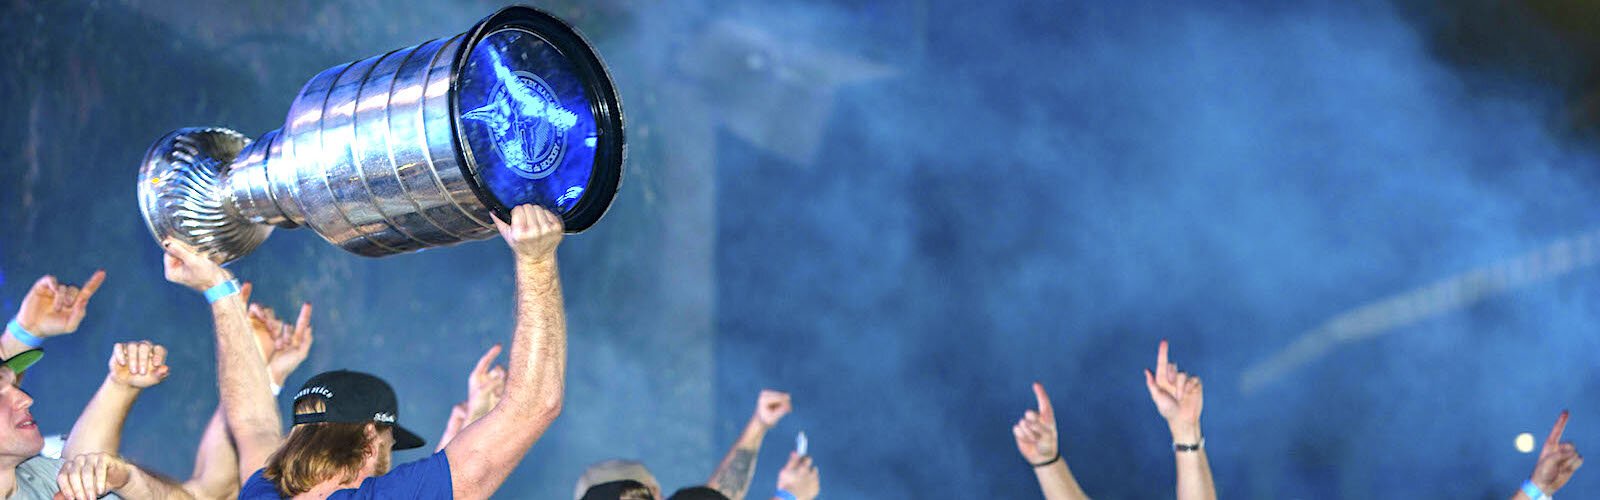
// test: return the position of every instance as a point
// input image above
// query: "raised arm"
(92, 475)
(134, 367)
(733, 475)
(1179, 397)
(1557, 461)
(50, 309)
(1038, 444)
(486, 384)
(242, 380)
(216, 462)
(487, 450)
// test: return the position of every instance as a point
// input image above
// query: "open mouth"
(27, 423)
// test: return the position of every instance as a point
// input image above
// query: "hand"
(799, 477)
(53, 308)
(771, 406)
(1178, 396)
(185, 266)
(1557, 460)
(533, 232)
(485, 385)
(453, 426)
(1036, 431)
(139, 364)
(458, 417)
(286, 347)
(91, 475)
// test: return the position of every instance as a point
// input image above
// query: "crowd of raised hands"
(1179, 398)
(506, 408)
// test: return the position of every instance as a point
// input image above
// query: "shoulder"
(41, 463)
(36, 477)
(258, 487)
(423, 479)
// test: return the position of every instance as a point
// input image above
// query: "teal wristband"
(785, 495)
(221, 291)
(22, 335)
(1533, 491)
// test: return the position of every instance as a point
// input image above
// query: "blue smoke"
(903, 213)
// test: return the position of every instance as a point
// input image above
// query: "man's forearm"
(99, 428)
(251, 413)
(536, 376)
(535, 379)
(143, 485)
(10, 346)
(216, 463)
(1194, 469)
(1057, 482)
(738, 467)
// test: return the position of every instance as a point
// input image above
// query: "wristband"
(1187, 448)
(1533, 491)
(785, 495)
(222, 290)
(23, 335)
(1052, 460)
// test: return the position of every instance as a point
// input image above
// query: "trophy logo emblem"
(528, 123)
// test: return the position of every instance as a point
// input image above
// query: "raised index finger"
(487, 359)
(304, 321)
(1161, 360)
(1555, 432)
(1045, 410)
(90, 286)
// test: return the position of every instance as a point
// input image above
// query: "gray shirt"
(36, 479)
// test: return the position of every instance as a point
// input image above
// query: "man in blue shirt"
(339, 450)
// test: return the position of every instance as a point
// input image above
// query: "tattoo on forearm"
(733, 477)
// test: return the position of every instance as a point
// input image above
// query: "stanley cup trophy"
(408, 150)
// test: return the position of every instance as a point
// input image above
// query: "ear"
(371, 431)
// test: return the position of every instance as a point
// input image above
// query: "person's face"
(19, 435)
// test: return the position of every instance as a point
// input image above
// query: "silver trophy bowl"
(408, 150)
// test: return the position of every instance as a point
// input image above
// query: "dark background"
(905, 211)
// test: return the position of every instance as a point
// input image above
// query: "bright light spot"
(1525, 442)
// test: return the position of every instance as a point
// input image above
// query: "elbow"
(550, 407)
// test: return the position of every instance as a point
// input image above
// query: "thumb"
(499, 224)
(1156, 394)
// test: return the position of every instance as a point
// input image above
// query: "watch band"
(1189, 448)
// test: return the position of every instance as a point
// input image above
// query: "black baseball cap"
(616, 490)
(354, 398)
(22, 360)
(698, 493)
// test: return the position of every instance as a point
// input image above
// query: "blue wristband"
(785, 495)
(222, 290)
(1533, 491)
(22, 335)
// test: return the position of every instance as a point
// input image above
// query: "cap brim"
(405, 440)
(23, 360)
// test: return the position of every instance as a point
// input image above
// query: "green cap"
(22, 360)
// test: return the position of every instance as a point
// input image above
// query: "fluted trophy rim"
(180, 192)
(606, 103)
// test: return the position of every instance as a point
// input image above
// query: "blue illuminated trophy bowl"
(408, 150)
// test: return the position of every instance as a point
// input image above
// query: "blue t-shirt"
(424, 479)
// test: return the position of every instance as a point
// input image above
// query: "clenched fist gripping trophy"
(407, 150)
